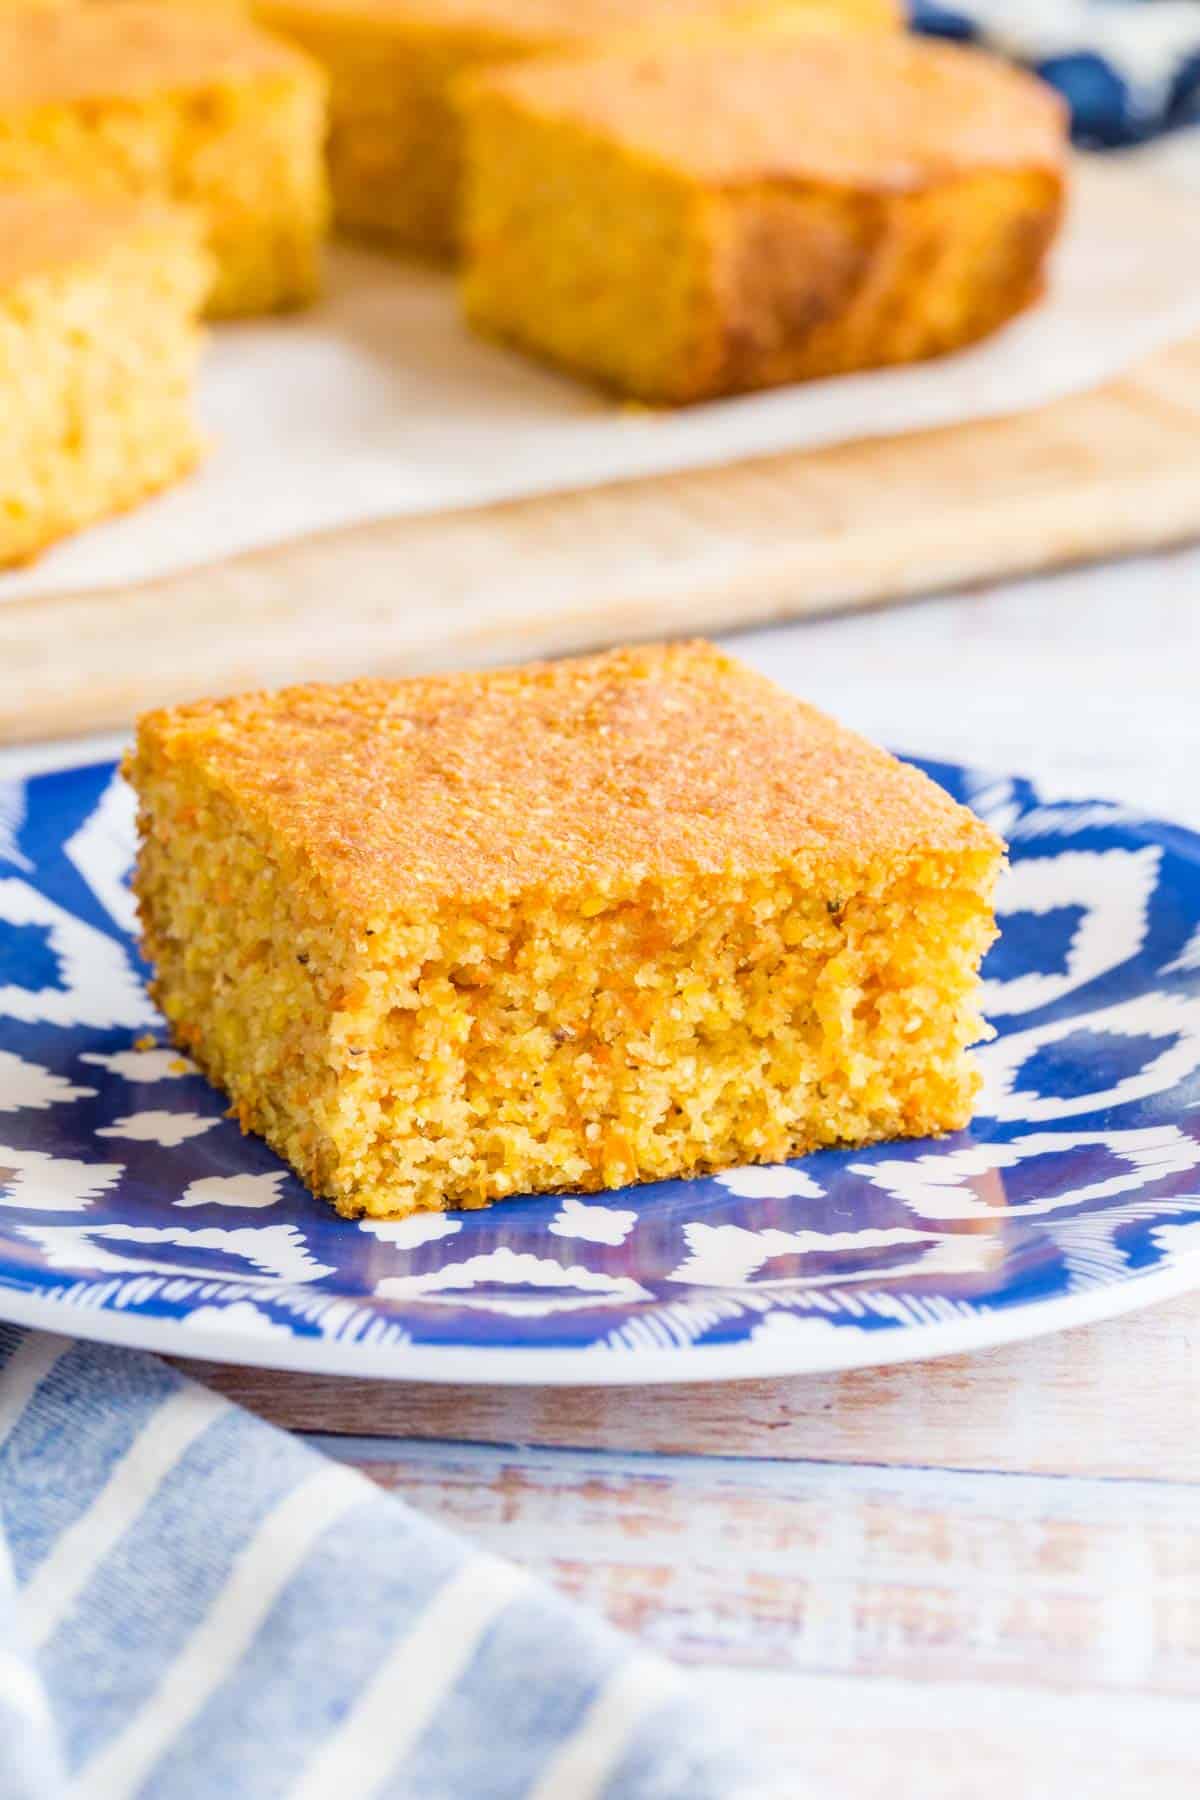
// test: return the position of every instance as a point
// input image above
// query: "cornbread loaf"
(565, 926)
(703, 220)
(394, 134)
(146, 100)
(98, 347)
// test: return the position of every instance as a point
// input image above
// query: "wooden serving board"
(1106, 473)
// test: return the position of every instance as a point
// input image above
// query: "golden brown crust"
(581, 775)
(802, 289)
(874, 112)
(128, 48)
(574, 21)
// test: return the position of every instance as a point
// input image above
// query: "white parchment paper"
(379, 401)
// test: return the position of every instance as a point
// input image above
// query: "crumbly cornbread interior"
(395, 137)
(572, 926)
(138, 99)
(98, 350)
(852, 201)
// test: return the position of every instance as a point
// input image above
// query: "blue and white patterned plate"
(132, 1210)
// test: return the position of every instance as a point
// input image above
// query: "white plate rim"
(494, 1366)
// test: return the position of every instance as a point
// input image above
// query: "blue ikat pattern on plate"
(126, 1195)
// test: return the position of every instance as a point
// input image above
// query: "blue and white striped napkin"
(195, 1606)
(1128, 69)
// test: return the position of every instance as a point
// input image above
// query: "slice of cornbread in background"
(394, 146)
(154, 101)
(226, 6)
(565, 926)
(98, 348)
(705, 220)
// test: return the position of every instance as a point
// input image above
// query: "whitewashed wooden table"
(976, 1578)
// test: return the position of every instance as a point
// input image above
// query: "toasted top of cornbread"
(848, 109)
(586, 777)
(582, 20)
(44, 229)
(130, 48)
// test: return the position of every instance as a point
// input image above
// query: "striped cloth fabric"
(195, 1606)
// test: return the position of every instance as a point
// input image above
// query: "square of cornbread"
(148, 101)
(395, 138)
(559, 927)
(99, 302)
(703, 220)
